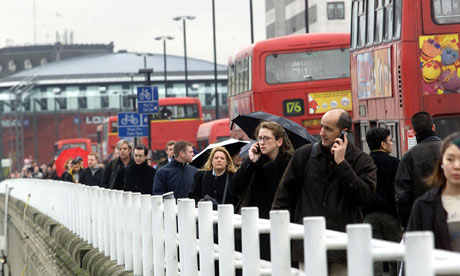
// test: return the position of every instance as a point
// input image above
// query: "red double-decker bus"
(404, 59)
(109, 136)
(178, 119)
(212, 132)
(299, 77)
(83, 143)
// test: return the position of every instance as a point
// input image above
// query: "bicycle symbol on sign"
(129, 118)
(145, 95)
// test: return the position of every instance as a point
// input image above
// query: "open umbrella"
(71, 153)
(298, 135)
(233, 147)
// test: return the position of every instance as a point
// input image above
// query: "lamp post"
(184, 18)
(216, 95)
(164, 38)
(56, 91)
(252, 24)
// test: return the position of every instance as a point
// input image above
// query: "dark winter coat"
(89, 179)
(69, 176)
(175, 177)
(114, 176)
(384, 197)
(428, 214)
(336, 192)
(267, 176)
(207, 184)
(416, 165)
(140, 178)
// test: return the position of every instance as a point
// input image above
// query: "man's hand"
(339, 148)
(254, 152)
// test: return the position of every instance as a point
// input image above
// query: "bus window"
(388, 20)
(354, 25)
(446, 11)
(379, 22)
(370, 23)
(397, 20)
(307, 66)
(187, 111)
(444, 126)
(362, 24)
(114, 127)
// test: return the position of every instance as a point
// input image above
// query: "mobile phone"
(258, 148)
(342, 134)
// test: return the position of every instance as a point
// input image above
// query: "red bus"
(83, 143)
(404, 59)
(109, 137)
(212, 132)
(299, 77)
(178, 119)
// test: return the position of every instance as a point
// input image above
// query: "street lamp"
(56, 91)
(184, 18)
(164, 38)
(216, 95)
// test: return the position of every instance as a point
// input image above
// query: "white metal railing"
(143, 232)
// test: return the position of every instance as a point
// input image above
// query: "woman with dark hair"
(438, 210)
(212, 181)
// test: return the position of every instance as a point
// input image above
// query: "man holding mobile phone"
(331, 178)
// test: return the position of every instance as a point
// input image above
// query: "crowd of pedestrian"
(330, 178)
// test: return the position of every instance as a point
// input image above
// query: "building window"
(104, 101)
(12, 66)
(27, 64)
(43, 61)
(335, 10)
(82, 102)
(61, 103)
(43, 104)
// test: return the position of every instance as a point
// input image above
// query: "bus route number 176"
(293, 107)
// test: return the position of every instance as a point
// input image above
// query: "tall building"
(285, 17)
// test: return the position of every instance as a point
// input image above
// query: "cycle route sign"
(131, 124)
(147, 100)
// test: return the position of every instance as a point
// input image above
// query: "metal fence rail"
(143, 233)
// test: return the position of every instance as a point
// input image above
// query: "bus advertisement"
(298, 76)
(212, 132)
(404, 59)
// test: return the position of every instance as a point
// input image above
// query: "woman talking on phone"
(258, 177)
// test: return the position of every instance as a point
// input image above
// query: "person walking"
(331, 178)
(73, 174)
(169, 154)
(211, 183)
(438, 209)
(416, 165)
(92, 175)
(256, 181)
(177, 176)
(380, 212)
(114, 176)
(140, 175)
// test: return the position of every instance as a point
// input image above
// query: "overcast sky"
(132, 24)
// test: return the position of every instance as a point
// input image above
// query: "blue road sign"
(131, 124)
(147, 99)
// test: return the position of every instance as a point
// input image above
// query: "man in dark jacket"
(92, 175)
(332, 179)
(140, 175)
(178, 175)
(169, 154)
(114, 176)
(416, 165)
(381, 213)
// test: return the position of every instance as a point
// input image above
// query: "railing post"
(120, 220)
(170, 211)
(89, 221)
(206, 237)
(106, 221)
(187, 237)
(128, 235)
(100, 219)
(280, 243)
(250, 240)
(137, 233)
(226, 235)
(113, 225)
(159, 236)
(315, 249)
(147, 241)
(94, 216)
(418, 255)
(359, 250)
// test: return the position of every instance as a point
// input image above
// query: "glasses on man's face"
(264, 139)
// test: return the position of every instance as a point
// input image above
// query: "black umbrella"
(233, 147)
(298, 135)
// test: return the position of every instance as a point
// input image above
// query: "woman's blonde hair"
(208, 165)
